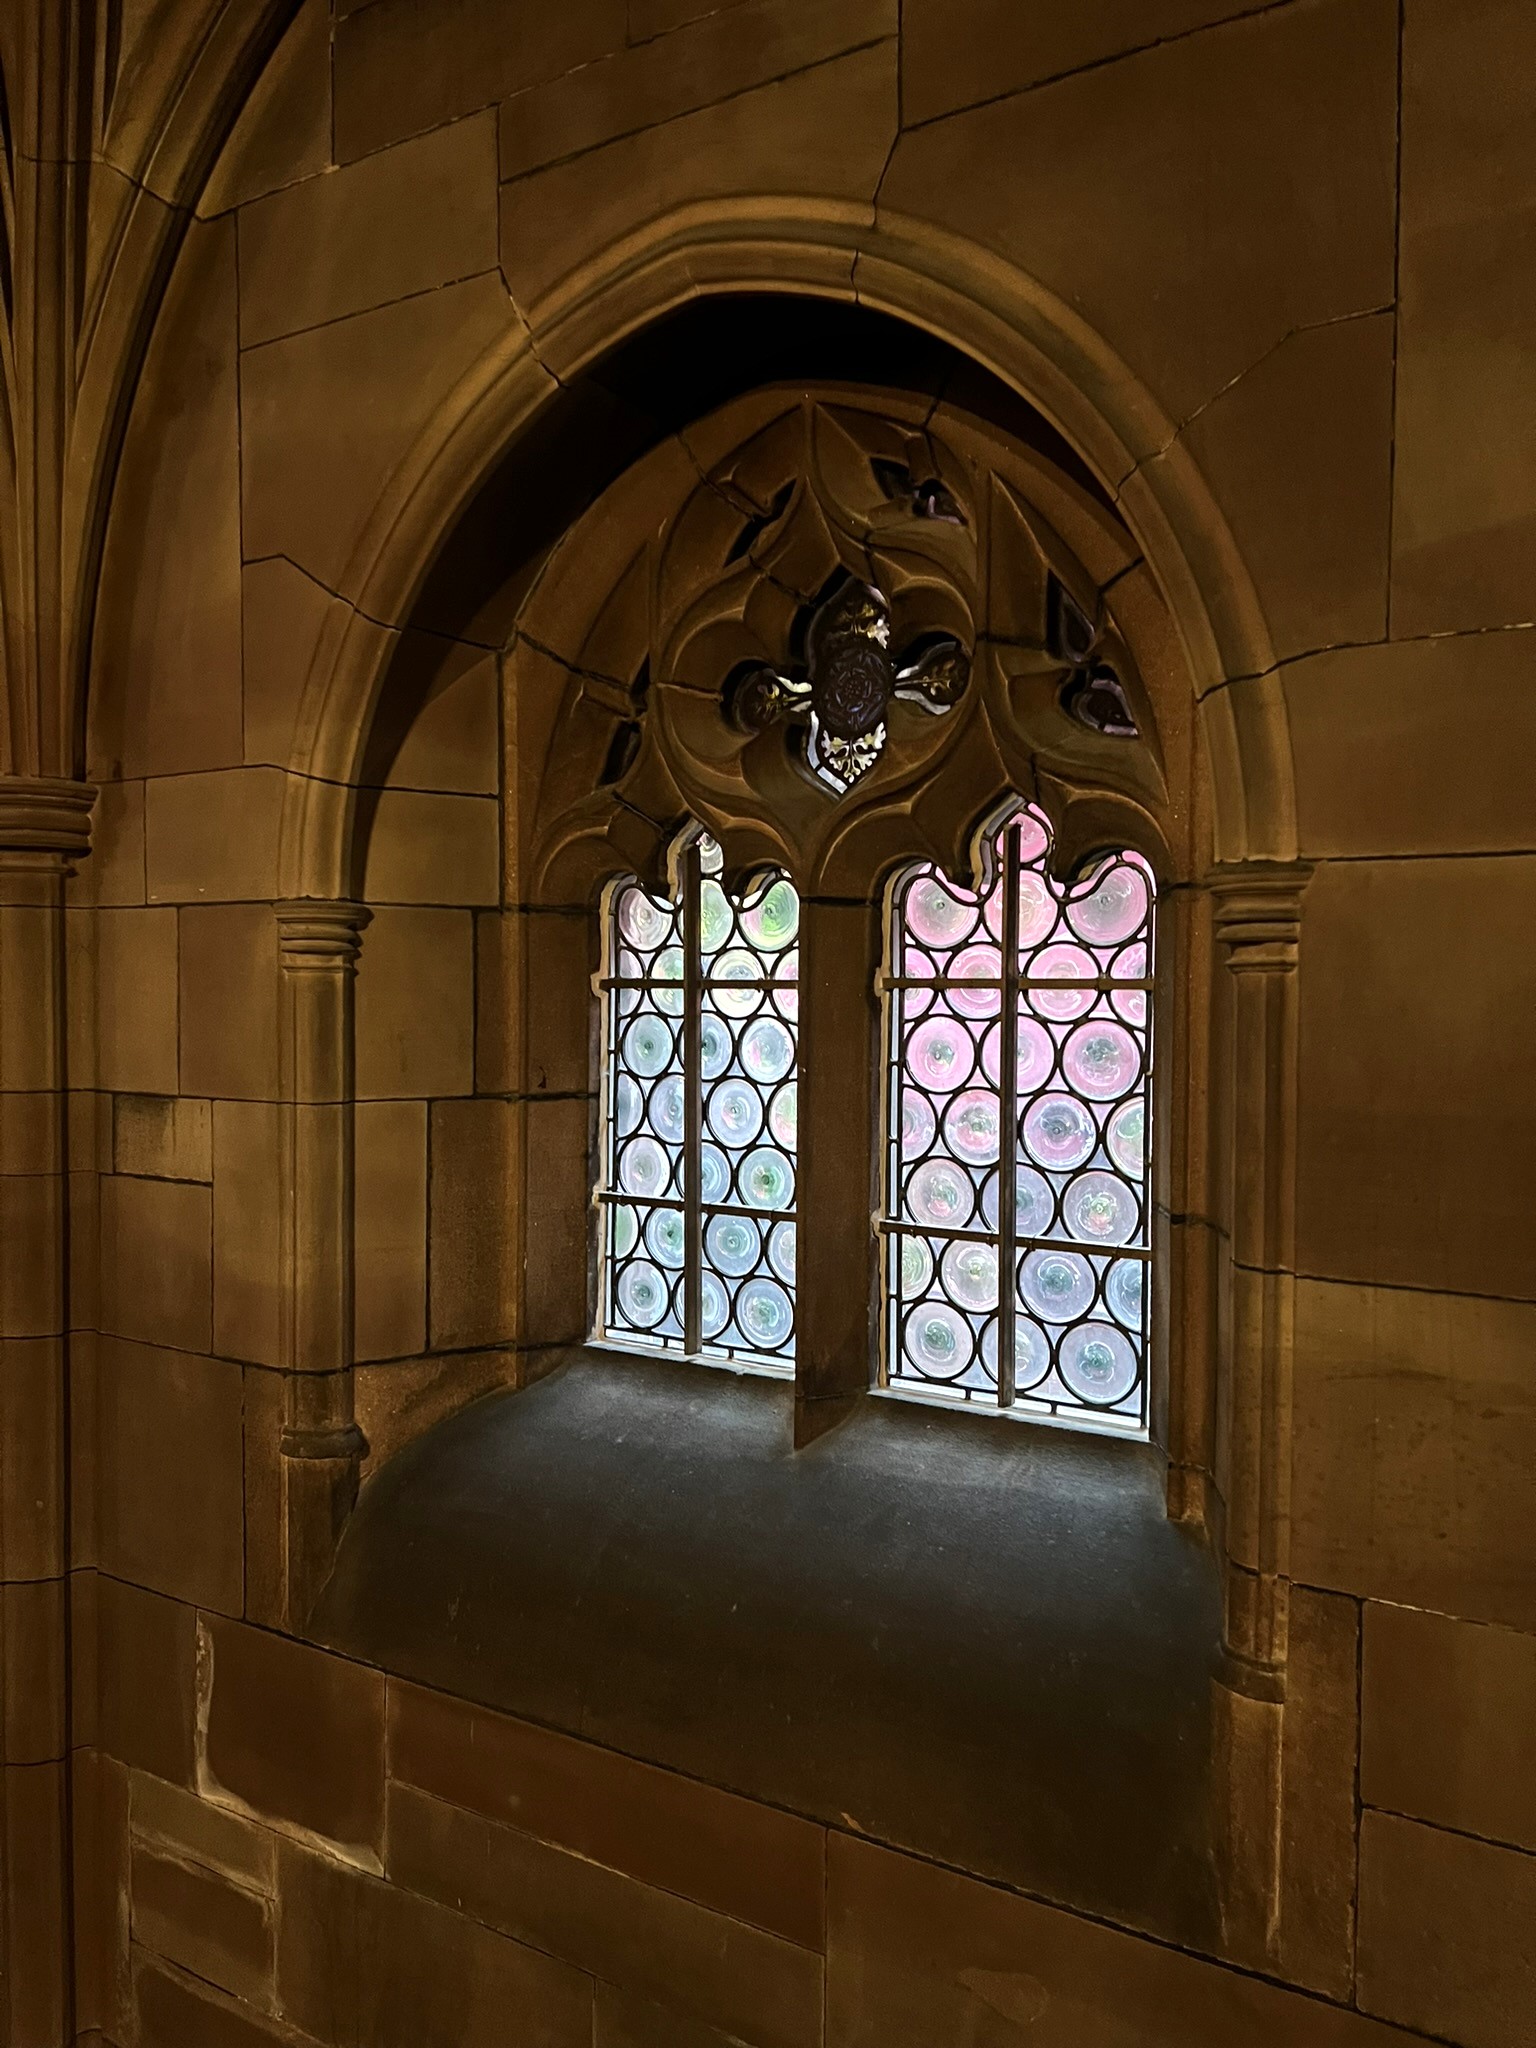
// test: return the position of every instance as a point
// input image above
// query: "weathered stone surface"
(717, 54)
(176, 2011)
(1466, 492)
(918, 1955)
(166, 691)
(406, 65)
(367, 1964)
(330, 413)
(220, 1931)
(1318, 1852)
(1457, 719)
(136, 1017)
(1445, 1933)
(157, 1261)
(738, 1857)
(99, 1795)
(957, 52)
(285, 612)
(712, 1968)
(1448, 1723)
(228, 981)
(431, 848)
(1415, 1426)
(1101, 187)
(534, 1028)
(136, 1676)
(193, 1830)
(296, 1735)
(416, 1003)
(162, 1137)
(169, 1461)
(284, 130)
(402, 221)
(212, 838)
(745, 146)
(1400, 989)
(390, 1289)
(247, 1224)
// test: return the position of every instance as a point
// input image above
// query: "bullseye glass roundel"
(1018, 1116)
(697, 1199)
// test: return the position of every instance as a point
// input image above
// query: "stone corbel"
(321, 1447)
(1257, 924)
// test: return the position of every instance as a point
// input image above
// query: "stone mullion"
(44, 828)
(321, 1447)
(839, 1130)
(1257, 914)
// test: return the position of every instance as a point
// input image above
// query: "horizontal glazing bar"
(889, 1226)
(618, 1196)
(784, 981)
(1023, 982)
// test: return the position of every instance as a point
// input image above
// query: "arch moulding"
(1229, 1454)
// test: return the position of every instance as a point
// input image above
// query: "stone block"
(1402, 998)
(32, 1276)
(399, 1398)
(708, 1967)
(135, 1693)
(212, 838)
(170, 1460)
(177, 2011)
(621, 2020)
(229, 1001)
(136, 1000)
(166, 682)
(430, 848)
(919, 1955)
(1445, 1933)
(403, 220)
(99, 1812)
(157, 1261)
(416, 1003)
(192, 1830)
(32, 1387)
(1297, 106)
(958, 52)
(1417, 746)
(361, 1962)
(247, 1231)
(219, 1931)
(285, 613)
(162, 1137)
(266, 1533)
(33, 1665)
(1448, 1724)
(748, 145)
(34, 1838)
(452, 741)
(1465, 519)
(329, 414)
(1321, 1751)
(390, 1286)
(734, 1855)
(283, 132)
(114, 873)
(703, 61)
(1415, 1428)
(295, 1735)
(535, 1019)
(1299, 455)
(502, 1270)
(403, 66)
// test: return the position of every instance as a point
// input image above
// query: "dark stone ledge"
(976, 1639)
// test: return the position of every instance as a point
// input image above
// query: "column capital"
(1258, 912)
(43, 814)
(319, 933)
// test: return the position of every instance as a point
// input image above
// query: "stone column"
(322, 1446)
(1257, 917)
(837, 1292)
(44, 830)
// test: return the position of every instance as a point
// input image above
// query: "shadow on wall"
(988, 1646)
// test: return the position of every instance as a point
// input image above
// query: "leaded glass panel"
(1018, 1195)
(697, 1199)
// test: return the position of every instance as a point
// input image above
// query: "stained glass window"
(697, 1197)
(1018, 1121)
